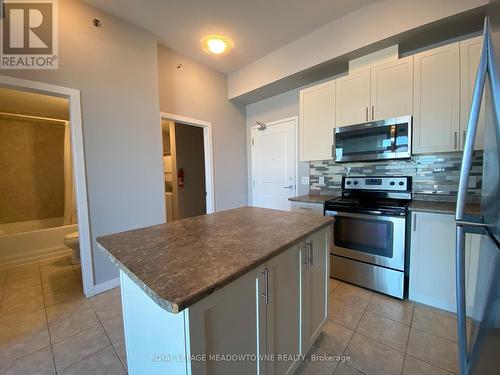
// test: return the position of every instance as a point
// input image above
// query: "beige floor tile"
(334, 338)
(80, 346)
(120, 350)
(433, 349)
(344, 313)
(373, 358)
(40, 363)
(22, 272)
(64, 284)
(114, 328)
(316, 363)
(392, 308)
(14, 325)
(413, 366)
(15, 285)
(77, 322)
(19, 306)
(63, 311)
(435, 323)
(344, 369)
(384, 330)
(22, 295)
(104, 362)
(352, 294)
(107, 305)
(332, 284)
(19, 344)
(63, 296)
(449, 314)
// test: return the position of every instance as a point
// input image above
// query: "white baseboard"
(105, 286)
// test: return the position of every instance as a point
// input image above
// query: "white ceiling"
(257, 27)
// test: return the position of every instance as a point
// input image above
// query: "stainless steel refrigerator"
(479, 309)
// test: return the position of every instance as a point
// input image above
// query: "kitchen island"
(240, 291)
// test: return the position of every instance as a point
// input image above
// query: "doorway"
(46, 215)
(187, 166)
(274, 163)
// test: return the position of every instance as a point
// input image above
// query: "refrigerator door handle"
(463, 355)
(472, 123)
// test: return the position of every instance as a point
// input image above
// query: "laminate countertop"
(180, 263)
(313, 198)
(443, 207)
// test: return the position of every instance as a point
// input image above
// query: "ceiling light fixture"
(216, 44)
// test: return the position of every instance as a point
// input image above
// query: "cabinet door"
(432, 260)
(392, 89)
(316, 271)
(317, 121)
(436, 100)
(283, 310)
(230, 321)
(470, 51)
(353, 98)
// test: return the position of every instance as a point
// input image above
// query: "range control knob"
(355, 182)
(348, 182)
(392, 183)
(401, 183)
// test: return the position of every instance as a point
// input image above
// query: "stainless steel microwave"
(376, 140)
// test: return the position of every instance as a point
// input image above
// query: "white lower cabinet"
(308, 208)
(274, 311)
(432, 261)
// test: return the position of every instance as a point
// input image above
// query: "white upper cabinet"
(392, 89)
(353, 98)
(317, 121)
(470, 51)
(436, 98)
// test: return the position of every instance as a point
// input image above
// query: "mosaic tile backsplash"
(432, 174)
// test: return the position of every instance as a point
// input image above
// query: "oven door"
(373, 239)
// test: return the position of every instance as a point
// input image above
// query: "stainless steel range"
(369, 241)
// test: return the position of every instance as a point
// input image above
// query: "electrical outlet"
(305, 180)
(321, 181)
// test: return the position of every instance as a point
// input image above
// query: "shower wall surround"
(436, 174)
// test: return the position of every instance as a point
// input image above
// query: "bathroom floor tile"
(40, 362)
(64, 311)
(114, 328)
(18, 344)
(392, 308)
(343, 313)
(352, 294)
(21, 306)
(23, 272)
(63, 296)
(77, 322)
(15, 285)
(105, 362)
(371, 357)
(80, 346)
(433, 349)
(385, 331)
(121, 352)
(65, 281)
(107, 305)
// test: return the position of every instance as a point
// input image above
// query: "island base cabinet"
(260, 323)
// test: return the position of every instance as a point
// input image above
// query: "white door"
(437, 100)
(392, 89)
(274, 160)
(353, 98)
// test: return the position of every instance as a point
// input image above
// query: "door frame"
(207, 153)
(79, 170)
(296, 162)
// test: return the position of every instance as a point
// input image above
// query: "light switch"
(305, 180)
(321, 181)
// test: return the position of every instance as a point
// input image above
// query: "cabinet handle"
(463, 140)
(366, 113)
(414, 222)
(306, 255)
(265, 273)
(305, 208)
(373, 112)
(311, 253)
(456, 140)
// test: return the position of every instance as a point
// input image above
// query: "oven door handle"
(369, 215)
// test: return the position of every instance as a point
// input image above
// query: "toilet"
(72, 241)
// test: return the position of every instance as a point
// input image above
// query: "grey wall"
(115, 67)
(199, 92)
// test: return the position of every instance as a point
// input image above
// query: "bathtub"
(34, 240)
